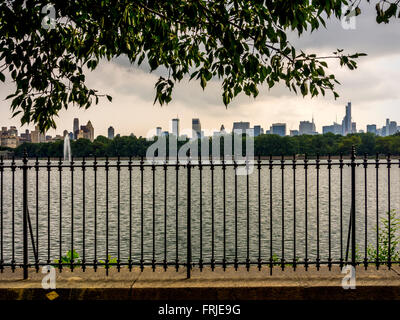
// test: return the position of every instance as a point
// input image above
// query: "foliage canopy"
(242, 42)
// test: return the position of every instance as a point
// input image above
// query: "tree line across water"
(265, 145)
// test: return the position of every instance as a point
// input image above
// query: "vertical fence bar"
(60, 214)
(107, 213)
(201, 213)
(176, 214)
(224, 211)
(165, 214)
(212, 216)
(189, 227)
(248, 215)
(130, 213)
(306, 211)
(341, 164)
(283, 211)
(83, 214)
(1, 215)
(141, 214)
(271, 257)
(294, 212)
(353, 206)
(329, 213)
(48, 211)
(119, 214)
(236, 264)
(72, 214)
(389, 215)
(366, 211)
(95, 213)
(377, 208)
(25, 212)
(317, 166)
(259, 211)
(153, 170)
(13, 167)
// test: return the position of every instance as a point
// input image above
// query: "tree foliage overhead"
(242, 42)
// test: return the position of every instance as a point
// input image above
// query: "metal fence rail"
(225, 219)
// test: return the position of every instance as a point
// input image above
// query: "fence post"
(189, 244)
(25, 212)
(353, 206)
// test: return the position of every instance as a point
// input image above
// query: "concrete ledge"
(371, 284)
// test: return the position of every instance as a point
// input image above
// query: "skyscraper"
(307, 127)
(241, 127)
(76, 128)
(279, 129)
(111, 132)
(371, 128)
(158, 131)
(175, 127)
(346, 123)
(196, 128)
(258, 131)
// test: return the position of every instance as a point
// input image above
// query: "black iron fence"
(200, 213)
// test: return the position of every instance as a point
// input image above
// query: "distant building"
(76, 128)
(307, 127)
(37, 136)
(240, 127)
(175, 127)
(371, 128)
(86, 132)
(294, 133)
(196, 128)
(279, 129)
(158, 131)
(110, 132)
(353, 127)
(336, 128)
(25, 137)
(392, 127)
(346, 123)
(258, 131)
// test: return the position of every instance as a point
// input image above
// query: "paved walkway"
(206, 285)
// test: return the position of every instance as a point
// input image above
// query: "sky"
(373, 90)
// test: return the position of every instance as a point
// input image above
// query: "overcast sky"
(373, 90)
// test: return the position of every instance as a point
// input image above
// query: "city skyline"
(11, 137)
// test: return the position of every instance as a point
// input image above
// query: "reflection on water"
(287, 208)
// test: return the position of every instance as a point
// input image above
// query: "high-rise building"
(175, 127)
(240, 127)
(111, 132)
(279, 129)
(196, 128)
(158, 131)
(76, 128)
(371, 128)
(392, 127)
(86, 132)
(353, 127)
(258, 131)
(307, 127)
(37, 136)
(346, 123)
(336, 128)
